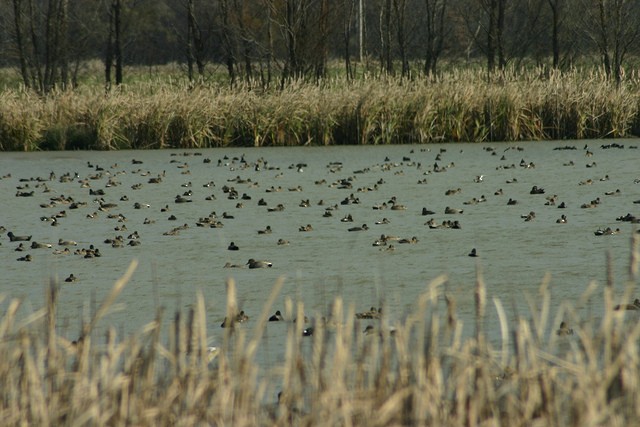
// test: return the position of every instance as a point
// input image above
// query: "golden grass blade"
(111, 297)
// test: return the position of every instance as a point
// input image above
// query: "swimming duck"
(181, 199)
(363, 228)
(252, 263)
(307, 227)
(230, 265)
(372, 313)
(267, 230)
(347, 218)
(398, 207)
(473, 253)
(14, 238)
(71, 278)
(634, 306)
(564, 329)
(371, 330)
(450, 211)
(412, 240)
(36, 245)
(232, 247)
(277, 317)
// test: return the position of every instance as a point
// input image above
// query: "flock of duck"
(100, 184)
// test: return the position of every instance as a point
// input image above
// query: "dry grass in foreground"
(417, 372)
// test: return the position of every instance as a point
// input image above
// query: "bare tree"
(113, 54)
(20, 43)
(243, 33)
(323, 36)
(228, 40)
(195, 45)
(386, 62)
(399, 9)
(613, 27)
(435, 33)
(43, 56)
(556, 10)
(348, 15)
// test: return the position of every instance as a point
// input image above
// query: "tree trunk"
(349, 6)
(227, 42)
(491, 35)
(435, 13)
(244, 36)
(117, 25)
(108, 55)
(50, 56)
(385, 37)
(269, 46)
(399, 7)
(321, 58)
(22, 55)
(190, 38)
(555, 30)
(63, 46)
(499, 32)
(291, 39)
(36, 75)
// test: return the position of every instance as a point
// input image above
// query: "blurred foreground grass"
(418, 371)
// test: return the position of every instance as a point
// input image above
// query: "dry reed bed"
(457, 106)
(423, 374)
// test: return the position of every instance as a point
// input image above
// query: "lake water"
(328, 261)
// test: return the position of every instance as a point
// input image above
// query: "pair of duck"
(238, 318)
(606, 232)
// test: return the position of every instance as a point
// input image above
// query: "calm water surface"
(329, 261)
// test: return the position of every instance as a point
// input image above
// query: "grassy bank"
(458, 106)
(422, 373)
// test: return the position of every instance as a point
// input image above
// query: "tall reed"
(455, 106)
(415, 371)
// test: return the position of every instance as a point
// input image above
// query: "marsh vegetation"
(456, 106)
